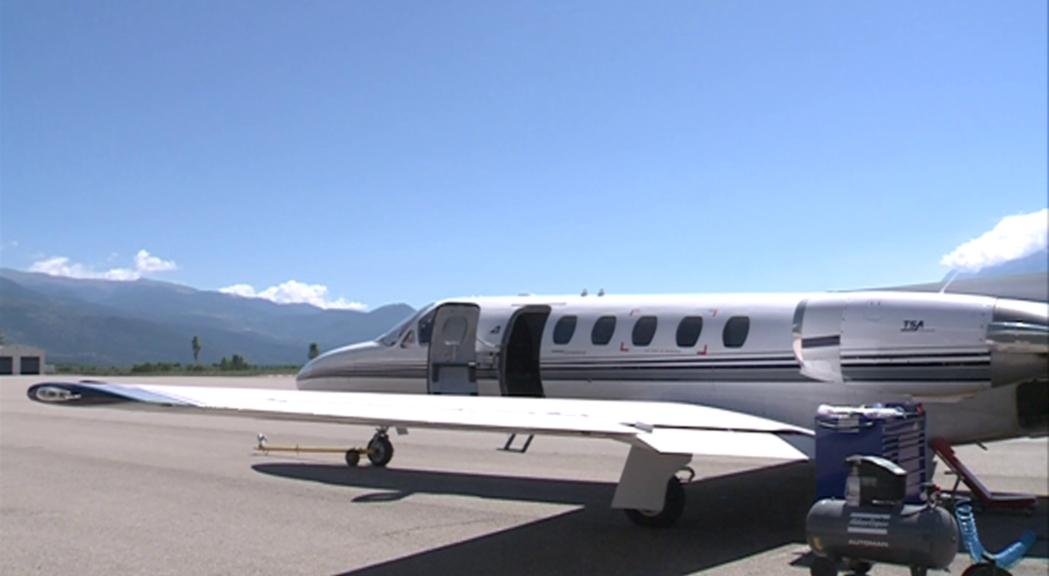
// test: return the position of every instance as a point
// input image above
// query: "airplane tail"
(1032, 286)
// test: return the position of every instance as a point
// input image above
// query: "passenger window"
(603, 330)
(564, 329)
(688, 331)
(454, 331)
(736, 330)
(426, 327)
(644, 330)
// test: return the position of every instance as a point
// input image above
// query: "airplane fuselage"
(978, 363)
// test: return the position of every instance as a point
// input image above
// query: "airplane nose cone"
(1018, 337)
(332, 370)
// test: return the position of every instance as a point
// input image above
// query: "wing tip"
(70, 394)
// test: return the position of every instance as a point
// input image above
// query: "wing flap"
(727, 443)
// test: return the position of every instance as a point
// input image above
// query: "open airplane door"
(453, 355)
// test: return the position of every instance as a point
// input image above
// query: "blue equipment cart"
(895, 432)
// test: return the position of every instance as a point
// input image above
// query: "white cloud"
(294, 292)
(61, 266)
(1013, 237)
(121, 274)
(242, 290)
(145, 263)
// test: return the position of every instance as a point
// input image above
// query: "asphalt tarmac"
(104, 491)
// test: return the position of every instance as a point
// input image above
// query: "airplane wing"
(662, 427)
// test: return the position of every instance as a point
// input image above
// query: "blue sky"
(405, 151)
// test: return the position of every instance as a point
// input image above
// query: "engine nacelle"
(1019, 339)
(923, 344)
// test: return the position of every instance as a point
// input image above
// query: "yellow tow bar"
(353, 455)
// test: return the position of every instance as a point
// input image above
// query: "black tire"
(673, 507)
(985, 570)
(859, 567)
(823, 566)
(353, 457)
(919, 570)
(380, 450)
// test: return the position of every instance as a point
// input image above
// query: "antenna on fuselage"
(601, 292)
(584, 292)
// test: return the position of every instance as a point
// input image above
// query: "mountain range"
(1026, 278)
(108, 323)
(1036, 262)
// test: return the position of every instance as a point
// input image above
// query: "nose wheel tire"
(673, 507)
(380, 450)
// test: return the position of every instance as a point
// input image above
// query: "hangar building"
(18, 359)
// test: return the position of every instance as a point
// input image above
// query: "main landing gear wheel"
(860, 567)
(824, 566)
(673, 506)
(985, 570)
(380, 450)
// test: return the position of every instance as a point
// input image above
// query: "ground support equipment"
(986, 563)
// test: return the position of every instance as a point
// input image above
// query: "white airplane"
(671, 376)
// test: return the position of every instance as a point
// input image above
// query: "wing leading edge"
(663, 427)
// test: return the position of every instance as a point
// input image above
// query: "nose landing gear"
(379, 450)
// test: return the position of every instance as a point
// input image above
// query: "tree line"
(237, 362)
(233, 363)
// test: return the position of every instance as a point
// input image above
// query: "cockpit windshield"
(394, 334)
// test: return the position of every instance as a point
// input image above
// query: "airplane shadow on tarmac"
(728, 518)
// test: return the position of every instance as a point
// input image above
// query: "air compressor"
(873, 524)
